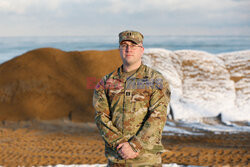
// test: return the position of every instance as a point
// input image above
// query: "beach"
(57, 57)
(47, 118)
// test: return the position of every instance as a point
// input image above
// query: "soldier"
(131, 108)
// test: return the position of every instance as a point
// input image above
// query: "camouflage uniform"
(132, 110)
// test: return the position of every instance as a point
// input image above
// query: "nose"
(128, 48)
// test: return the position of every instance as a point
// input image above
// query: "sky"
(109, 17)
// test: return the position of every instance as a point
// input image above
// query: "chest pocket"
(115, 89)
(140, 103)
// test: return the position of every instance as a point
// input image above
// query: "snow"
(199, 128)
(204, 84)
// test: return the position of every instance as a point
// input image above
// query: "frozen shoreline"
(201, 128)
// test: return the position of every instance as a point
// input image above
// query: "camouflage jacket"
(131, 110)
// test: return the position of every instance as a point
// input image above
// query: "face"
(130, 52)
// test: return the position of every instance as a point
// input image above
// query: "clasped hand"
(126, 151)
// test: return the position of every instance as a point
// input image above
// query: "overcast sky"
(109, 17)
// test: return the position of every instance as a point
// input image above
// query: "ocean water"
(11, 47)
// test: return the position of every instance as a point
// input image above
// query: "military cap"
(130, 35)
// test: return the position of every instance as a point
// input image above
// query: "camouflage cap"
(129, 35)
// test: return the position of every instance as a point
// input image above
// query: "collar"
(140, 73)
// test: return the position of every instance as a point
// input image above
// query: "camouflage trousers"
(111, 164)
(154, 162)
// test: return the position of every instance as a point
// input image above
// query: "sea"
(11, 47)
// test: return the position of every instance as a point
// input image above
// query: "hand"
(126, 151)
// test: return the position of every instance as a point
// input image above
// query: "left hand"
(126, 151)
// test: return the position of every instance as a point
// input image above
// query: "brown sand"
(48, 83)
(60, 142)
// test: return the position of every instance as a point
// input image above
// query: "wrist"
(133, 148)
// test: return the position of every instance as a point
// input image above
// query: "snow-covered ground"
(200, 128)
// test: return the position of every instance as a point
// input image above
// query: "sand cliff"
(48, 83)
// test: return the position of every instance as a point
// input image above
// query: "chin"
(131, 62)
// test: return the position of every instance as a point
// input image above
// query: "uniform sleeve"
(150, 133)
(111, 135)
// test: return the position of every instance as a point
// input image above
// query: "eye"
(124, 45)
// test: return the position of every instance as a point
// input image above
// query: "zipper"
(124, 100)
